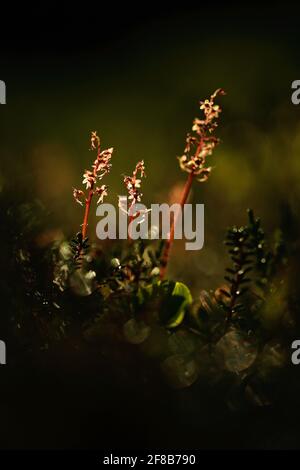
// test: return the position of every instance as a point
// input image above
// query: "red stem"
(169, 242)
(167, 248)
(86, 213)
(89, 199)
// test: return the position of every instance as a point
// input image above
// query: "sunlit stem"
(87, 213)
(168, 245)
(186, 191)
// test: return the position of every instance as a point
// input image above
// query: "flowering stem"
(86, 213)
(169, 242)
(186, 191)
(90, 196)
(133, 184)
(100, 167)
(195, 165)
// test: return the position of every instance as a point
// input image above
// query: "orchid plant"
(100, 168)
(200, 144)
(133, 186)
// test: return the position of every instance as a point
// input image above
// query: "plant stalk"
(87, 213)
(168, 245)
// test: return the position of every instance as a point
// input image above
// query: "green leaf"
(174, 307)
(183, 291)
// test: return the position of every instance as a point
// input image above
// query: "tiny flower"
(107, 153)
(205, 105)
(140, 166)
(78, 194)
(204, 174)
(88, 179)
(95, 140)
(102, 163)
(101, 192)
(197, 125)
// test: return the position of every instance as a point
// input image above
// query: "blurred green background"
(137, 76)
